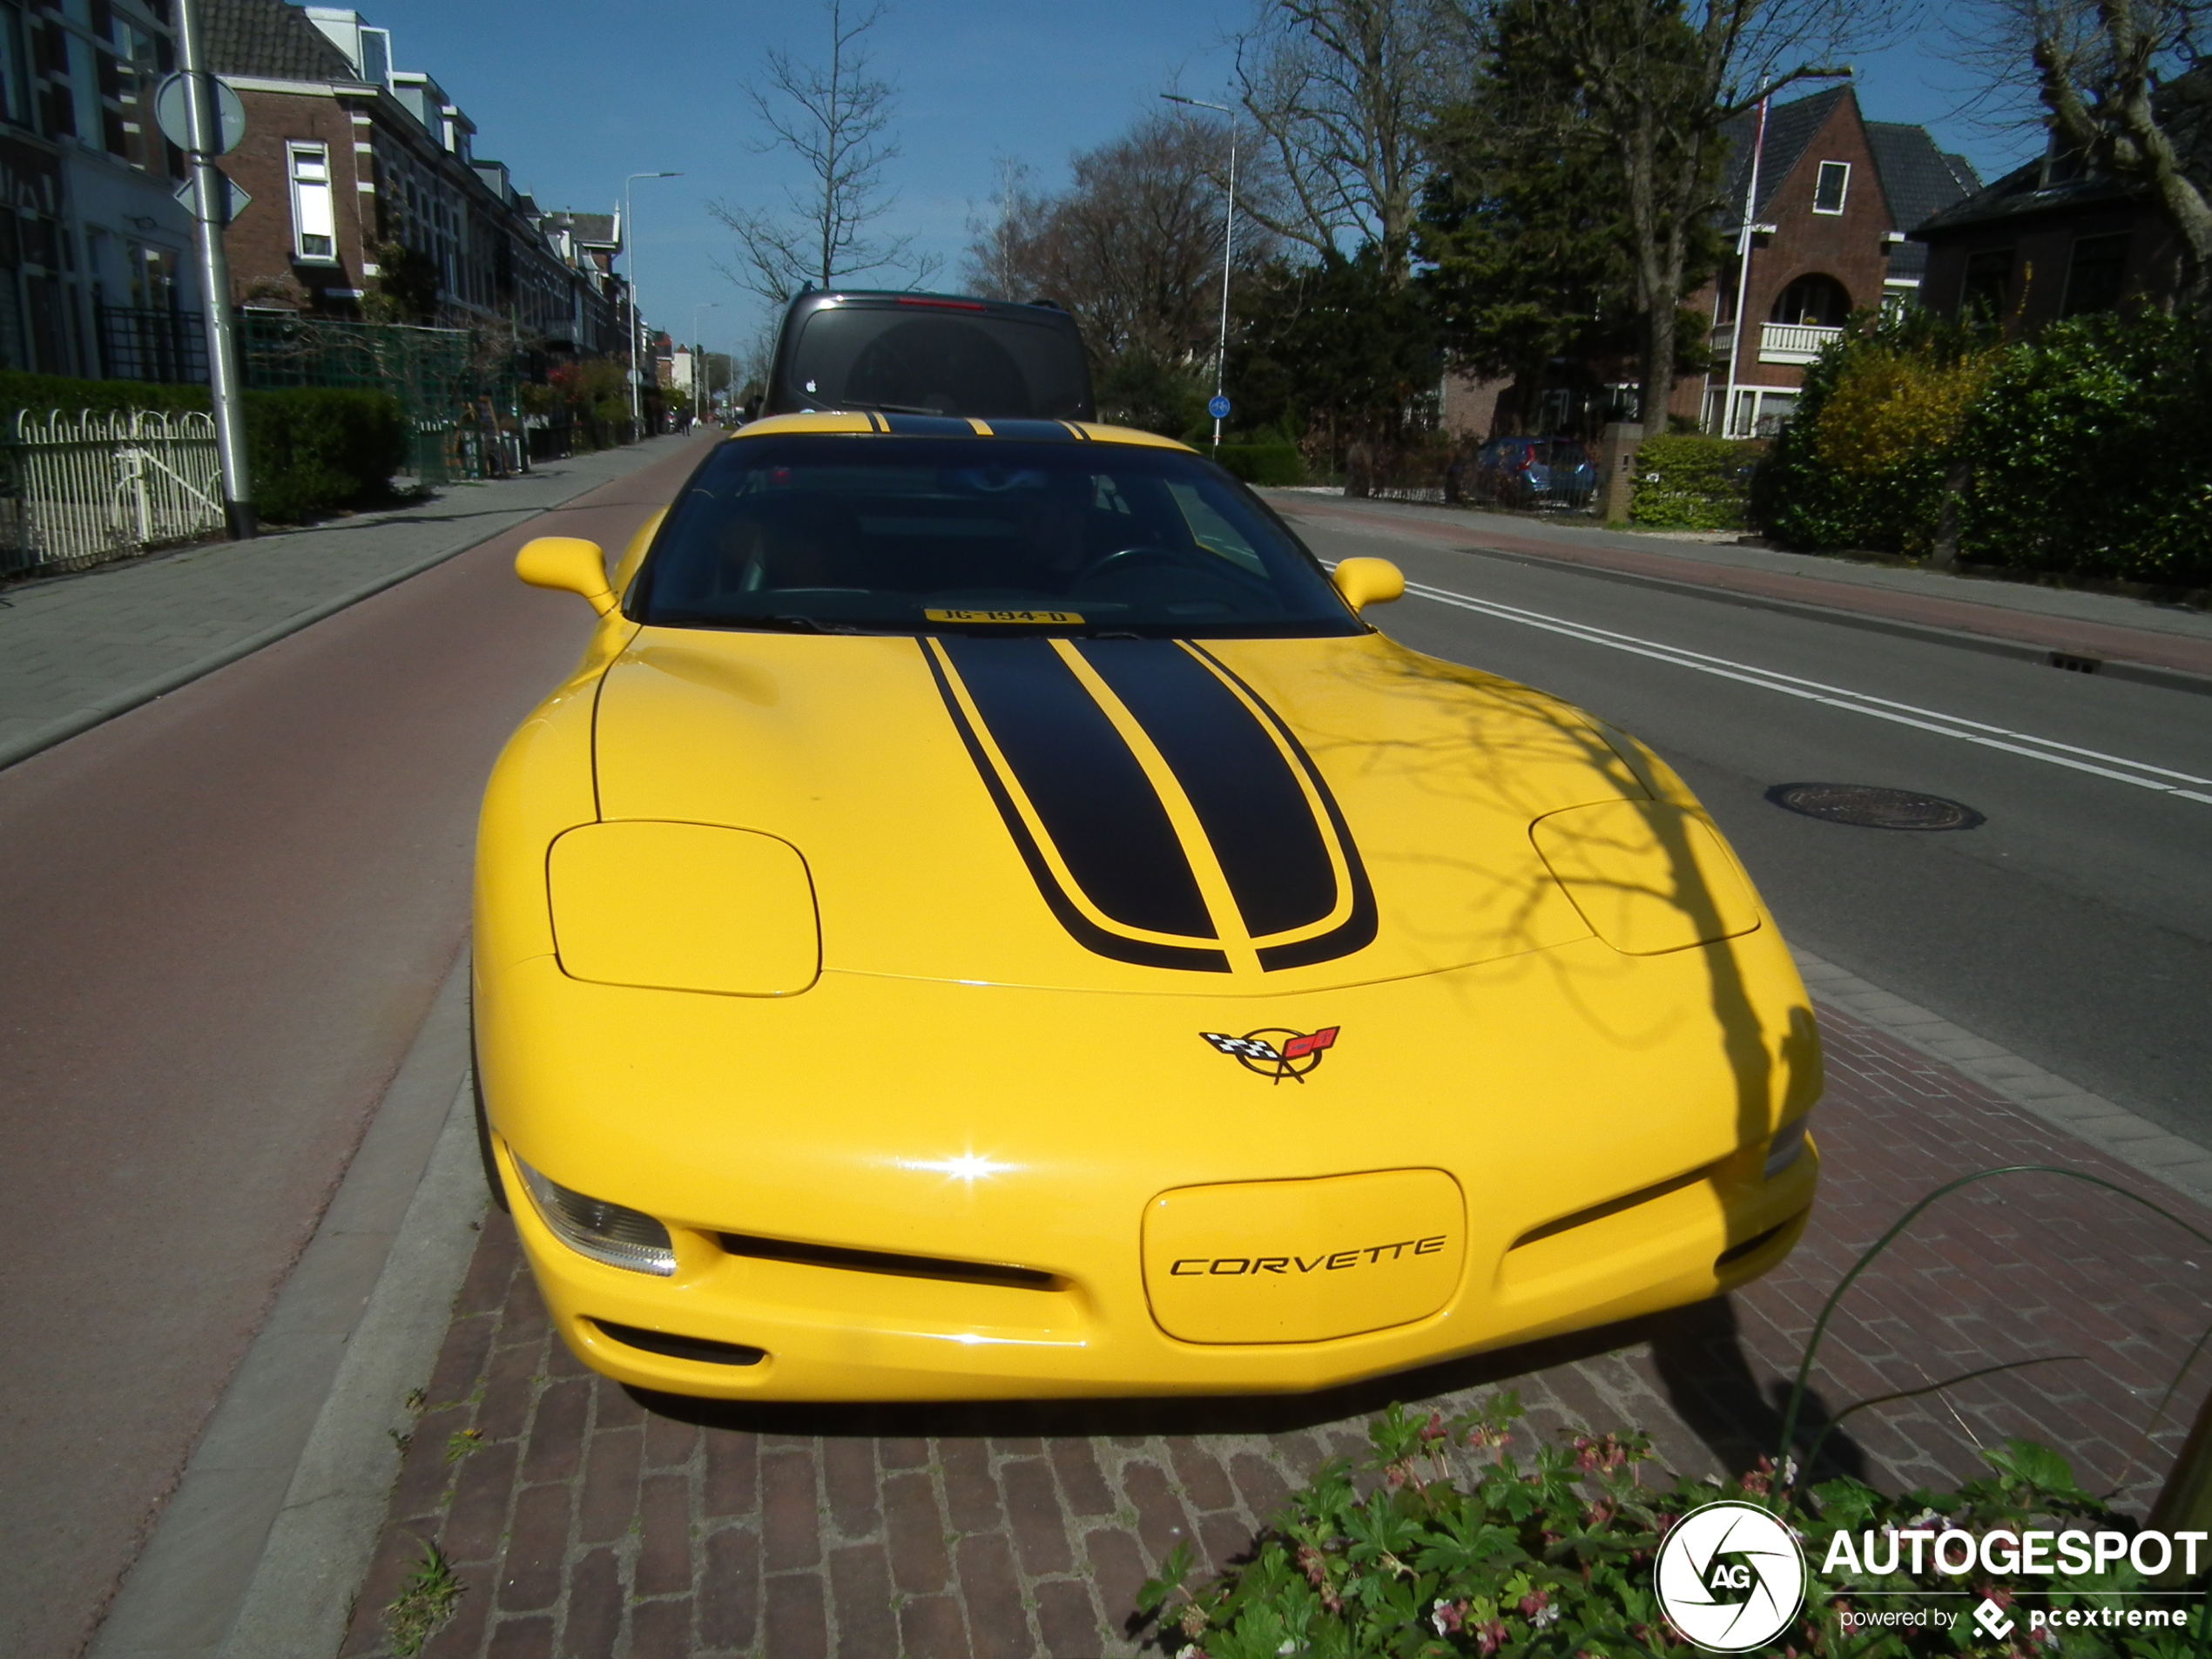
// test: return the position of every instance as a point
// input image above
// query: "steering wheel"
(1128, 558)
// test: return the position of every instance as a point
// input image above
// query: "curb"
(263, 1544)
(99, 713)
(2155, 1150)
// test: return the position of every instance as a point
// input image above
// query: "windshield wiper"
(790, 624)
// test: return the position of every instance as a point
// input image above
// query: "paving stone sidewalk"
(77, 648)
(591, 1521)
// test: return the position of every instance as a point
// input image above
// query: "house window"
(315, 221)
(1815, 300)
(138, 139)
(1988, 289)
(2095, 273)
(1828, 189)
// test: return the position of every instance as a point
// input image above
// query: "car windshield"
(1558, 452)
(888, 534)
(931, 357)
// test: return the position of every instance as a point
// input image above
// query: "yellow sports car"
(987, 918)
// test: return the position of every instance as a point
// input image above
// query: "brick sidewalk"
(595, 1523)
(79, 646)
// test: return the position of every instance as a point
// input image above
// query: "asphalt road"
(2073, 926)
(226, 914)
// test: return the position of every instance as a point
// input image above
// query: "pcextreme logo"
(1298, 1053)
(1730, 1577)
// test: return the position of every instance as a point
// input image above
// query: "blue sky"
(572, 97)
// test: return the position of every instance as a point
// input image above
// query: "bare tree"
(1132, 248)
(834, 117)
(1340, 91)
(2124, 85)
(992, 268)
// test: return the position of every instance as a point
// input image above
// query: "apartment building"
(369, 198)
(88, 222)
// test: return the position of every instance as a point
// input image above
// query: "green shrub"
(308, 450)
(1555, 1558)
(1691, 482)
(1865, 460)
(1279, 465)
(316, 449)
(42, 394)
(2092, 452)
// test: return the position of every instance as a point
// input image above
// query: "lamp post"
(698, 358)
(211, 214)
(636, 318)
(1228, 243)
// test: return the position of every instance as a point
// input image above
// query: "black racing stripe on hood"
(1356, 931)
(1096, 804)
(1245, 794)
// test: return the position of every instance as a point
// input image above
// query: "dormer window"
(1829, 189)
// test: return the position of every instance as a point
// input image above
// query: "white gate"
(94, 485)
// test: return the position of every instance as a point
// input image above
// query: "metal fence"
(456, 386)
(83, 488)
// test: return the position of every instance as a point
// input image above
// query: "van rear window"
(935, 359)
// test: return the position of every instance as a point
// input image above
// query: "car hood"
(1244, 818)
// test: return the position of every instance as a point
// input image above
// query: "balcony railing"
(1793, 342)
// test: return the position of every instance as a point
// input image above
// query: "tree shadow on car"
(1696, 1352)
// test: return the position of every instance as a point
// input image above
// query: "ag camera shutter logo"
(1730, 1577)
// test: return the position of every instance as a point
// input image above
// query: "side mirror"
(570, 564)
(1362, 582)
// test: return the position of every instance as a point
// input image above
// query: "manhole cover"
(1870, 807)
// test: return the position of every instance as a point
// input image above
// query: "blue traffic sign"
(1218, 408)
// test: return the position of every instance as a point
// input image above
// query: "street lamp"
(698, 358)
(636, 318)
(1228, 241)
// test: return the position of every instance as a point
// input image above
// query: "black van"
(928, 354)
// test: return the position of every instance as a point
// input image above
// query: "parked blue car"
(1535, 472)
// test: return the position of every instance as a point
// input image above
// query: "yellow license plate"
(1050, 618)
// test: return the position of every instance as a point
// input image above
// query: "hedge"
(1865, 462)
(1277, 464)
(2083, 452)
(2091, 454)
(309, 450)
(1684, 481)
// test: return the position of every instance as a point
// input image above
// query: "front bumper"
(1606, 1118)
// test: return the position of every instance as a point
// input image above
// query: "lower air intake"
(670, 1346)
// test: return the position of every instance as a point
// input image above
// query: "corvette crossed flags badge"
(1298, 1053)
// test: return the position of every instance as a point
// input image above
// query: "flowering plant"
(1444, 1544)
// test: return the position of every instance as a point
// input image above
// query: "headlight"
(1648, 876)
(606, 1233)
(684, 907)
(1783, 1149)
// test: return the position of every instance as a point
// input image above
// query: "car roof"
(950, 426)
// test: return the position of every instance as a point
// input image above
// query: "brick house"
(2047, 241)
(353, 165)
(1836, 195)
(88, 221)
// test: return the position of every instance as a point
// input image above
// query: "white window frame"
(314, 201)
(1842, 195)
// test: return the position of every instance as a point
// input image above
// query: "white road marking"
(2141, 773)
